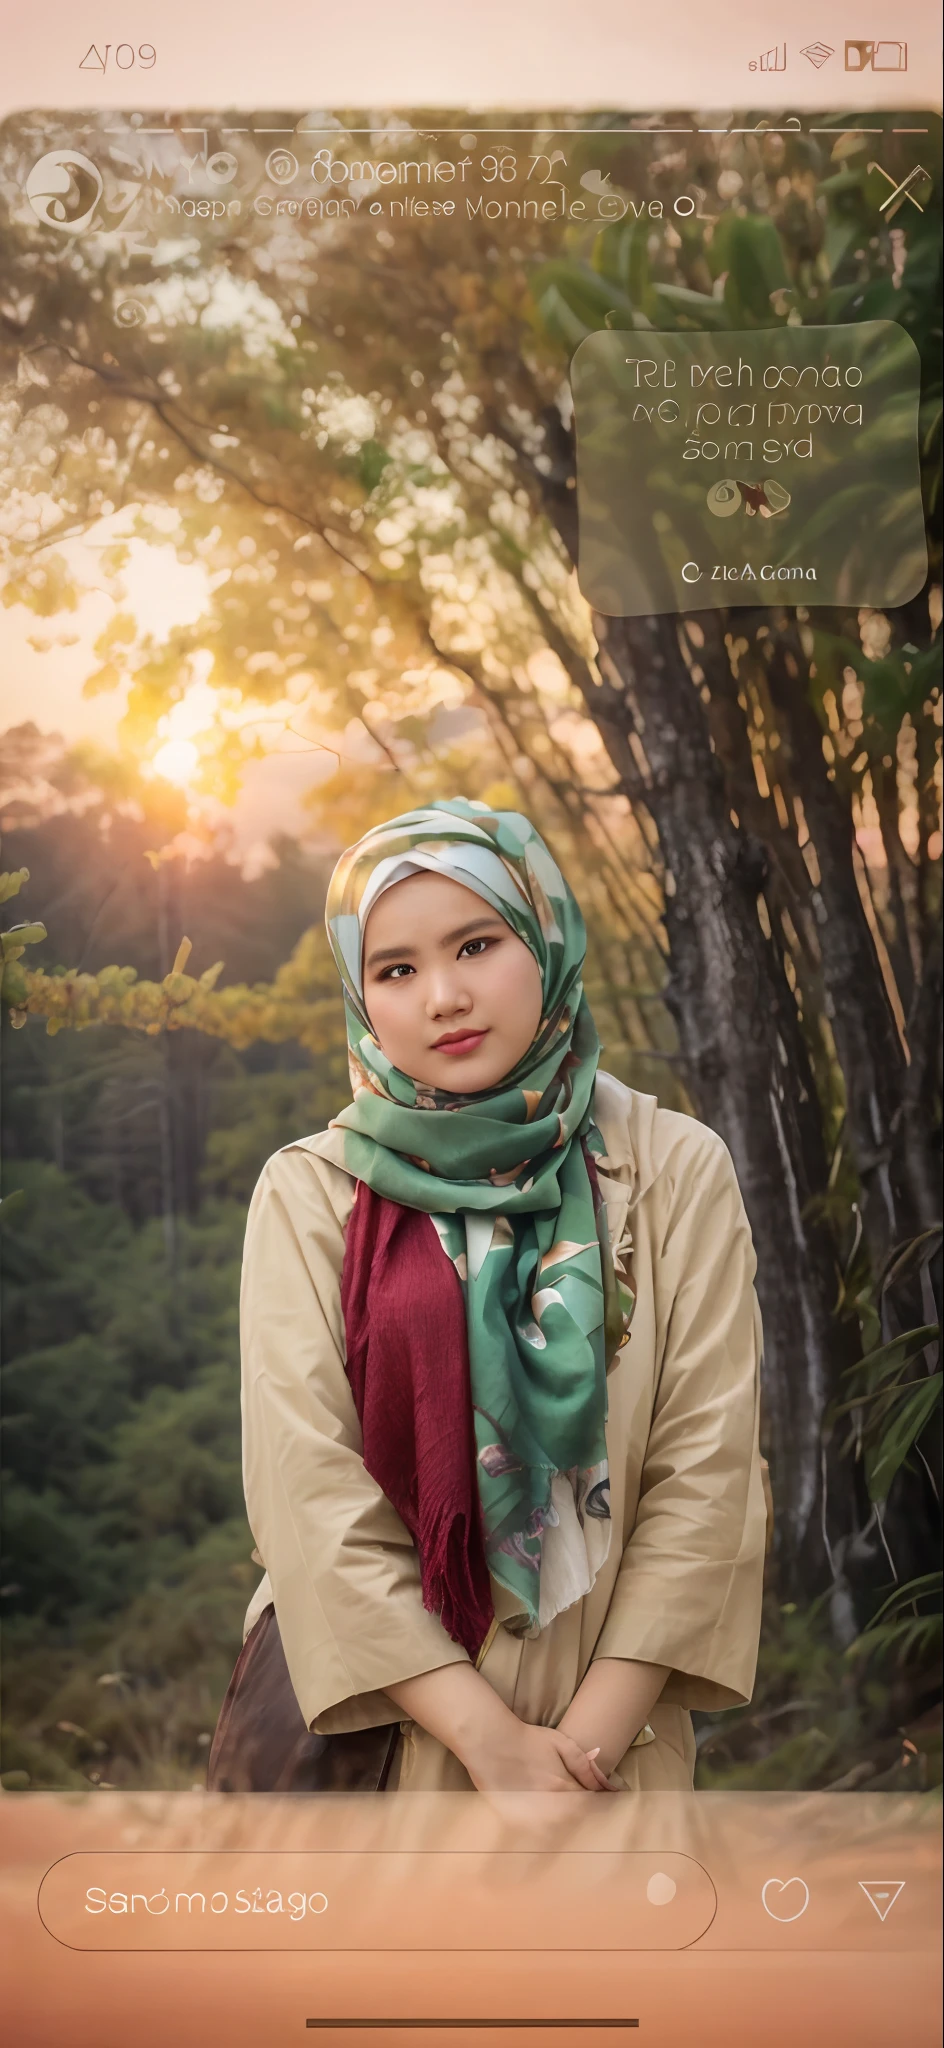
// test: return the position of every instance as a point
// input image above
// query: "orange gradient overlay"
(722, 1918)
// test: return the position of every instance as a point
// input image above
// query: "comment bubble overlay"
(779, 465)
(389, 1900)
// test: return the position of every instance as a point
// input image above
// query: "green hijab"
(504, 1178)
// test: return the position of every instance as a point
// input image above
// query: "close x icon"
(918, 182)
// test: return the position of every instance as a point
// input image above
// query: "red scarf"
(408, 1364)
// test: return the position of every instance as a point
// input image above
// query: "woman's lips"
(467, 1043)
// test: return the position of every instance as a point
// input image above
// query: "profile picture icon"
(281, 166)
(63, 189)
(731, 496)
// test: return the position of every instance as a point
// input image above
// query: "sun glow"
(177, 761)
(178, 758)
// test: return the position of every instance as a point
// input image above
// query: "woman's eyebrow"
(449, 938)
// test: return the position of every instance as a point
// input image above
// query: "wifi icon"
(818, 54)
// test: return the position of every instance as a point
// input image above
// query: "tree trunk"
(868, 1045)
(747, 1068)
(745, 1058)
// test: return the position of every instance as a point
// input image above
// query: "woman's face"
(453, 995)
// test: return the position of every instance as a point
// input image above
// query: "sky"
(44, 664)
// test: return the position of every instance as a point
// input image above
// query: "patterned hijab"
(507, 1177)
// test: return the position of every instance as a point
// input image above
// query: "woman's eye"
(403, 967)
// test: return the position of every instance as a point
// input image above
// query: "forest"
(362, 442)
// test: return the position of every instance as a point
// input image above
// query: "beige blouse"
(682, 1585)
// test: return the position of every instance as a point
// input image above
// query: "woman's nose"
(445, 997)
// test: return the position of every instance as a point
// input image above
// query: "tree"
(395, 419)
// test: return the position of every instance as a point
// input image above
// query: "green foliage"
(254, 1116)
(818, 1719)
(747, 251)
(572, 301)
(278, 1013)
(14, 980)
(894, 688)
(900, 1434)
(892, 1410)
(127, 1559)
(895, 1392)
(84, 1364)
(900, 1632)
(124, 1537)
(798, 247)
(131, 1700)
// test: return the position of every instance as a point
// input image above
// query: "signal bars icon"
(770, 60)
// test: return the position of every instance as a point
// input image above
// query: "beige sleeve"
(342, 1566)
(690, 1585)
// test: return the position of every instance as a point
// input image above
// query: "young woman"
(500, 1353)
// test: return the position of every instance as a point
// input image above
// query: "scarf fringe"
(451, 1576)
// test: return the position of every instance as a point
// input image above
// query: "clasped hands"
(501, 1753)
(523, 1758)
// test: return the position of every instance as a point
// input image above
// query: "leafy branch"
(295, 1006)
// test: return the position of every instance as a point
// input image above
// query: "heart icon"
(785, 1898)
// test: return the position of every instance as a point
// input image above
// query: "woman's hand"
(501, 1754)
(521, 1758)
(613, 1703)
